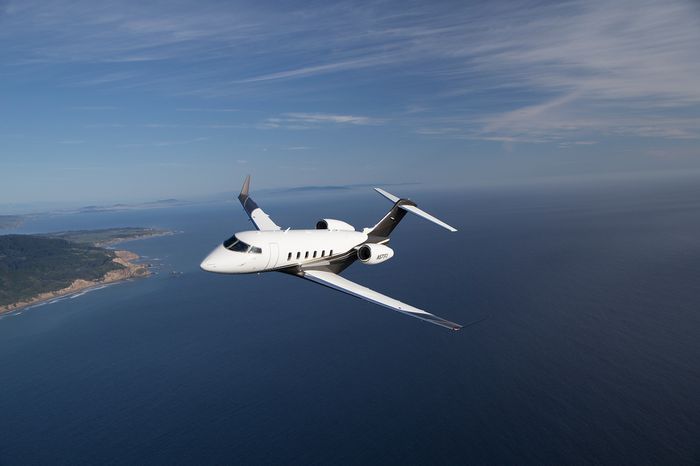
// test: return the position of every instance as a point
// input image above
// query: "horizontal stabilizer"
(409, 206)
(389, 196)
(421, 213)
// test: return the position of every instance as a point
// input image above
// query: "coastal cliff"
(39, 268)
(128, 271)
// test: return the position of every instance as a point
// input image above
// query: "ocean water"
(589, 353)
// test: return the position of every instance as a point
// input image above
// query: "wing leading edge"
(339, 283)
(260, 219)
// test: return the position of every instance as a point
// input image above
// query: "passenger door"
(274, 255)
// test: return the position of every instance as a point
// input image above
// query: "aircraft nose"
(207, 265)
(209, 262)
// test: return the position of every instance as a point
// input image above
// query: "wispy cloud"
(179, 142)
(577, 143)
(72, 141)
(330, 118)
(216, 110)
(94, 107)
(161, 125)
(315, 120)
(588, 67)
(513, 71)
(103, 79)
(105, 125)
(315, 70)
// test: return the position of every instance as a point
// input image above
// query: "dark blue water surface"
(590, 352)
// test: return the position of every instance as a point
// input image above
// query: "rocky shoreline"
(125, 258)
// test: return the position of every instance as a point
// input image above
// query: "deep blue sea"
(589, 353)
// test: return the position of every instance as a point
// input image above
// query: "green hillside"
(31, 264)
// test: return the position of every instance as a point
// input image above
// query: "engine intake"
(372, 254)
(332, 224)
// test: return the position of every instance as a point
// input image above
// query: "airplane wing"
(260, 219)
(339, 283)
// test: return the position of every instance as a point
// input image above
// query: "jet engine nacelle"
(371, 254)
(331, 224)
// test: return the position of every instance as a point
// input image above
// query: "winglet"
(246, 187)
(259, 218)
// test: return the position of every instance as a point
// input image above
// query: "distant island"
(37, 268)
(108, 236)
(121, 207)
(10, 221)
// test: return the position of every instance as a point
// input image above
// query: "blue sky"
(145, 100)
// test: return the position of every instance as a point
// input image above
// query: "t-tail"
(401, 205)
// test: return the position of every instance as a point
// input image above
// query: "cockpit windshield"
(234, 244)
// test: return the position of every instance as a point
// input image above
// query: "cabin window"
(330, 253)
(289, 256)
(306, 256)
(314, 254)
(323, 253)
(298, 254)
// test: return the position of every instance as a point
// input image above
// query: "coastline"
(130, 271)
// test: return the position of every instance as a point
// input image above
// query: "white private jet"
(318, 255)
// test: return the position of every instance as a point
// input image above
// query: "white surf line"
(61, 298)
(82, 292)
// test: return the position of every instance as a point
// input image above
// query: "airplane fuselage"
(263, 251)
(319, 255)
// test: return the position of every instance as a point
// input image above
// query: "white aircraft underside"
(318, 255)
